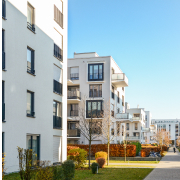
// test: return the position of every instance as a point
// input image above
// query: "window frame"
(102, 79)
(31, 26)
(32, 113)
(99, 94)
(57, 120)
(3, 101)
(31, 69)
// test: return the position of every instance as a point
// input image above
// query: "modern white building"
(34, 79)
(92, 81)
(170, 125)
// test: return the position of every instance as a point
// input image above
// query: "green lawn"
(105, 174)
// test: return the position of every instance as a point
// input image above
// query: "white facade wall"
(17, 81)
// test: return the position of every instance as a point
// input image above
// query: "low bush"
(101, 161)
(94, 167)
(68, 168)
(101, 154)
(58, 173)
(78, 156)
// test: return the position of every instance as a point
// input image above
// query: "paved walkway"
(168, 168)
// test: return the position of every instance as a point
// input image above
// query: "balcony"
(136, 119)
(73, 133)
(74, 76)
(3, 60)
(133, 138)
(119, 80)
(74, 113)
(123, 116)
(3, 111)
(145, 129)
(73, 97)
(95, 114)
(57, 87)
(31, 26)
(95, 93)
(57, 122)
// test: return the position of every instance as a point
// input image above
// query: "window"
(118, 97)
(30, 104)
(72, 125)
(112, 91)
(97, 127)
(112, 110)
(33, 142)
(112, 131)
(136, 134)
(122, 100)
(136, 126)
(136, 115)
(58, 52)
(30, 61)
(74, 109)
(94, 108)
(95, 72)
(73, 92)
(57, 115)
(30, 17)
(118, 129)
(4, 9)
(127, 134)
(58, 16)
(127, 126)
(118, 110)
(3, 102)
(3, 49)
(74, 73)
(95, 90)
(2, 144)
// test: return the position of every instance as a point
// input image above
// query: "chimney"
(138, 106)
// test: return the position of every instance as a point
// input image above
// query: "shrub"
(44, 171)
(138, 147)
(101, 154)
(101, 161)
(57, 173)
(68, 168)
(94, 167)
(3, 164)
(78, 156)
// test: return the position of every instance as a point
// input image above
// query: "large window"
(3, 49)
(57, 115)
(58, 52)
(118, 97)
(3, 8)
(136, 126)
(33, 142)
(127, 126)
(30, 17)
(112, 92)
(94, 108)
(95, 90)
(74, 109)
(74, 73)
(3, 102)
(30, 61)
(30, 104)
(95, 72)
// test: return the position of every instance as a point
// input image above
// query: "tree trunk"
(108, 155)
(90, 153)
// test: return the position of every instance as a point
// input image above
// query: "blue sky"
(143, 37)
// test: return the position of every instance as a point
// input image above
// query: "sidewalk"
(168, 168)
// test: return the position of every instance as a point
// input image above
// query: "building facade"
(92, 81)
(34, 78)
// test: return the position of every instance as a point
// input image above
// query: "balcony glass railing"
(133, 137)
(95, 114)
(74, 95)
(123, 116)
(119, 76)
(74, 76)
(73, 133)
(57, 87)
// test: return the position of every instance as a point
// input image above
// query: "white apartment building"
(170, 125)
(34, 79)
(94, 79)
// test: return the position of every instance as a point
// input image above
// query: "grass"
(105, 174)
(140, 162)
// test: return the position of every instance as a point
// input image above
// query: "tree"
(178, 141)
(108, 134)
(90, 128)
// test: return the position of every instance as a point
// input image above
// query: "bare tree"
(178, 141)
(108, 134)
(89, 123)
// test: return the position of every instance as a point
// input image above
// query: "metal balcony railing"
(3, 60)
(95, 114)
(73, 133)
(95, 93)
(31, 26)
(74, 76)
(74, 113)
(57, 87)
(30, 113)
(30, 70)
(57, 122)
(58, 52)
(133, 138)
(74, 95)
(3, 111)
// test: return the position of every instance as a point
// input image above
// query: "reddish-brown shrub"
(71, 147)
(101, 161)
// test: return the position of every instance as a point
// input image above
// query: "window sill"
(4, 18)
(3, 121)
(99, 81)
(57, 128)
(31, 30)
(28, 115)
(4, 70)
(31, 73)
(57, 93)
(58, 59)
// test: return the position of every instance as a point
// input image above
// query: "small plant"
(78, 156)
(94, 167)
(3, 164)
(68, 168)
(57, 173)
(101, 154)
(101, 162)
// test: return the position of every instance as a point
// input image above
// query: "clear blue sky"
(143, 37)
